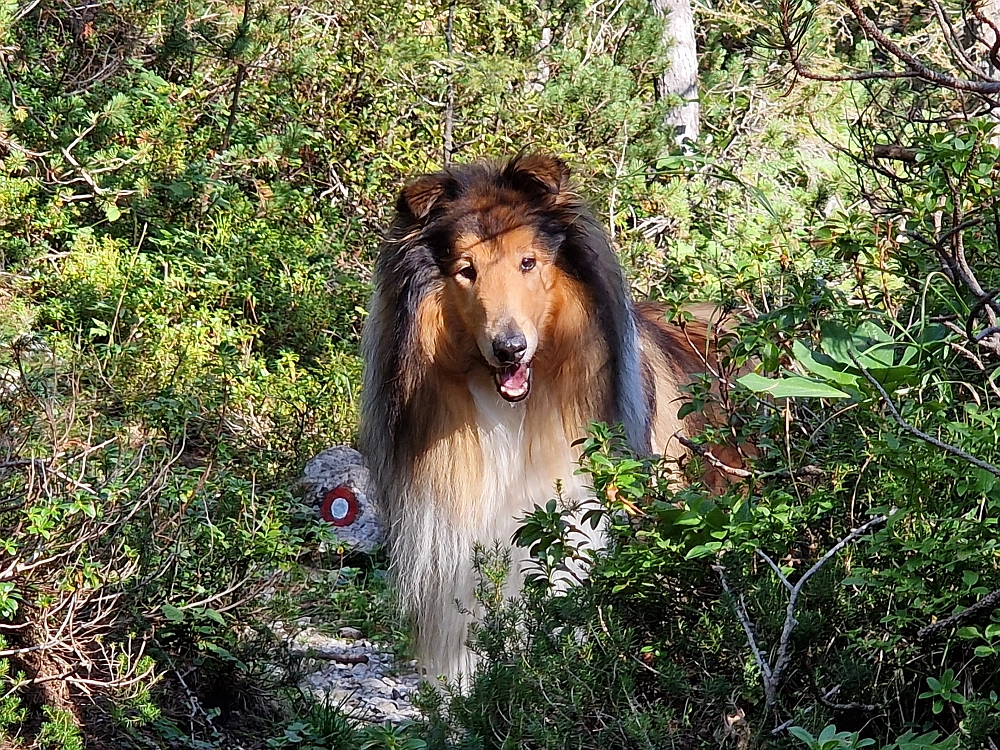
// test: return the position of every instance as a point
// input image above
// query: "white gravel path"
(354, 673)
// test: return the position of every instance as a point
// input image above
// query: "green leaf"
(791, 386)
(702, 550)
(172, 613)
(801, 734)
(821, 365)
(873, 347)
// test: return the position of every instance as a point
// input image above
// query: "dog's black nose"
(509, 347)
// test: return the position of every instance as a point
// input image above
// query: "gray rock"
(343, 468)
(387, 707)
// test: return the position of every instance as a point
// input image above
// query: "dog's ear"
(420, 197)
(533, 172)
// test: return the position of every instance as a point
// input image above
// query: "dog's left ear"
(533, 172)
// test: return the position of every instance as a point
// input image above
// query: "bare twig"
(824, 698)
(954, 45)
(744, 618)
(707, 454)
(784, 655)
(22, 12)
(920, 433)
(784, 725)
(995, 47)
(984, 300)
(23, 462)
(914, 65)
(988, 602)
(974, 359)
(773, 673)
(776, 569)
(983, 335)
(241, 75)
(897, 153)
(449, 109)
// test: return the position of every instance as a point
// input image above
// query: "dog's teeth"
(513, 383)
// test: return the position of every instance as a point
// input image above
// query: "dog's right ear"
(420, 197)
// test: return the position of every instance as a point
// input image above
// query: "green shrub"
(59, 732)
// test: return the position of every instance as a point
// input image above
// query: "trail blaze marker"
(340, 506)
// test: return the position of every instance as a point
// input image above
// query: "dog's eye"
(527, 264)
(467, 272)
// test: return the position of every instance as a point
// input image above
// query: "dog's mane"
(411, 266)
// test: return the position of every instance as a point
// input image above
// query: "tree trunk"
(681, 77)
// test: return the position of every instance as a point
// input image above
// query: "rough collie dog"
(500, 326)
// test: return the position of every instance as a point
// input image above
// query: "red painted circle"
(340, 506)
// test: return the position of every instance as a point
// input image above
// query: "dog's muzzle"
(512, 373)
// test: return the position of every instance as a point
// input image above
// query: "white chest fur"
(524, 449)
(526, 452)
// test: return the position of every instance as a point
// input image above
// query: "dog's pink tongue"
(513, 382)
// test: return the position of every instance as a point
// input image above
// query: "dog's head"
(501, 268)
(496, 236)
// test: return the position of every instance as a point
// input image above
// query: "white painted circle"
(339, 508)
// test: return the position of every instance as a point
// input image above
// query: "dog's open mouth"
(513, 382)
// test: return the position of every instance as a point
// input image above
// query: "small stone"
(373, 684)
(385, 706)
(380, 688)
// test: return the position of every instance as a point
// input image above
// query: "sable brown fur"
(500, 326)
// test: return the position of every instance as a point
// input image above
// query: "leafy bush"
(190, 198)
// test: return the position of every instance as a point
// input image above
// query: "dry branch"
(772, 673)
(448, 147)
(896, 153)
(792, 35)
(988, 602)
(948, 448)
(706, 453)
